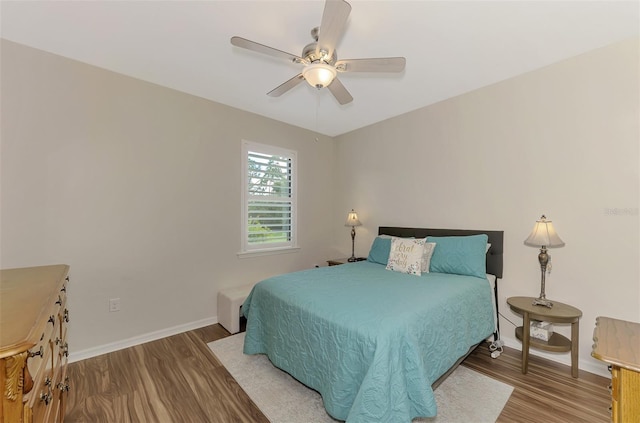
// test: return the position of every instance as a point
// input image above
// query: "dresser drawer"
(615, 394)
(36, 359)
(63, 389)
(60, 345)
(40, 398)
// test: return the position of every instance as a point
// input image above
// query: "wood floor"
(178, 379)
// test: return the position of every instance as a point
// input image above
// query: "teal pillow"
(460, 255)
(380, 249)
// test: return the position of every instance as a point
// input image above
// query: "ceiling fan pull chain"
(317, 107)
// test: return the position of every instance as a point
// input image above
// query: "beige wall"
(137, 188)
(563, 140)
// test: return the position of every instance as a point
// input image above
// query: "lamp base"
(352, 259)
(542, 302)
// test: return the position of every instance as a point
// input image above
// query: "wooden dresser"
(617, 342)
(33, 343)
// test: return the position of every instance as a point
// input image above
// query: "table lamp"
(352, 220)
(543, 236)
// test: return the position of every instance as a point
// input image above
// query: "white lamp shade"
(319, 75)
(543, 235)
(352, 219)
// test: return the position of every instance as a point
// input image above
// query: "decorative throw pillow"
(460, 255)
(426, 256)
(406, 255)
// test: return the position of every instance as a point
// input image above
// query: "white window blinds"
(269, 197)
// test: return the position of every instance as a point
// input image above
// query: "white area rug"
(465, 396)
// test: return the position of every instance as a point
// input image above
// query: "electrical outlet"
(114, 304)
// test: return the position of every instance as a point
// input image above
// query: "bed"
(372, 341)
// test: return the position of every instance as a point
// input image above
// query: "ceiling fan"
(320, 59)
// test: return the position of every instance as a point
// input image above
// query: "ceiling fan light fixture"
(319, 75)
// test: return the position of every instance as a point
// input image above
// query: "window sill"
(268, 252)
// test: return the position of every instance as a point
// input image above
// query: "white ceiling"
(452, 47)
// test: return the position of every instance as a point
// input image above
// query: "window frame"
(253, 249)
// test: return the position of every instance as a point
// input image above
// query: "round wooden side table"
(559, 313)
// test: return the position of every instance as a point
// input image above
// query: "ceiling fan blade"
(332, 26)
(278, 91)
(380, 64)
(340, 92)
(261, 48)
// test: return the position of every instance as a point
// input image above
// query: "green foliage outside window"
(270, 203)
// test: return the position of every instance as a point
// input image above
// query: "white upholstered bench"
(229, 302)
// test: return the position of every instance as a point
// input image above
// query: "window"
(269, 198)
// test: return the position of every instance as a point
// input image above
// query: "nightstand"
(343, 260)
(559, 313)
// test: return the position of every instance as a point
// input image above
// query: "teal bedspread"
(369, 340)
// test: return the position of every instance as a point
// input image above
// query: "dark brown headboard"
(494, 256)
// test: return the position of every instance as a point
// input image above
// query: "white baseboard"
(595, 368)
(141, 339)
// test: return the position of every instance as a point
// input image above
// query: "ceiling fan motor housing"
(309, 54)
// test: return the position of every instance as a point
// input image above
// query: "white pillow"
(427, 252)
(406, 255)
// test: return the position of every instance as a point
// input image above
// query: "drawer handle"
(65, 349)
(40, 352)
(47, 381)
(45, 397)
(52, 320)
(66, 315)
(59, 302)
(64, 288)
(64, 387)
